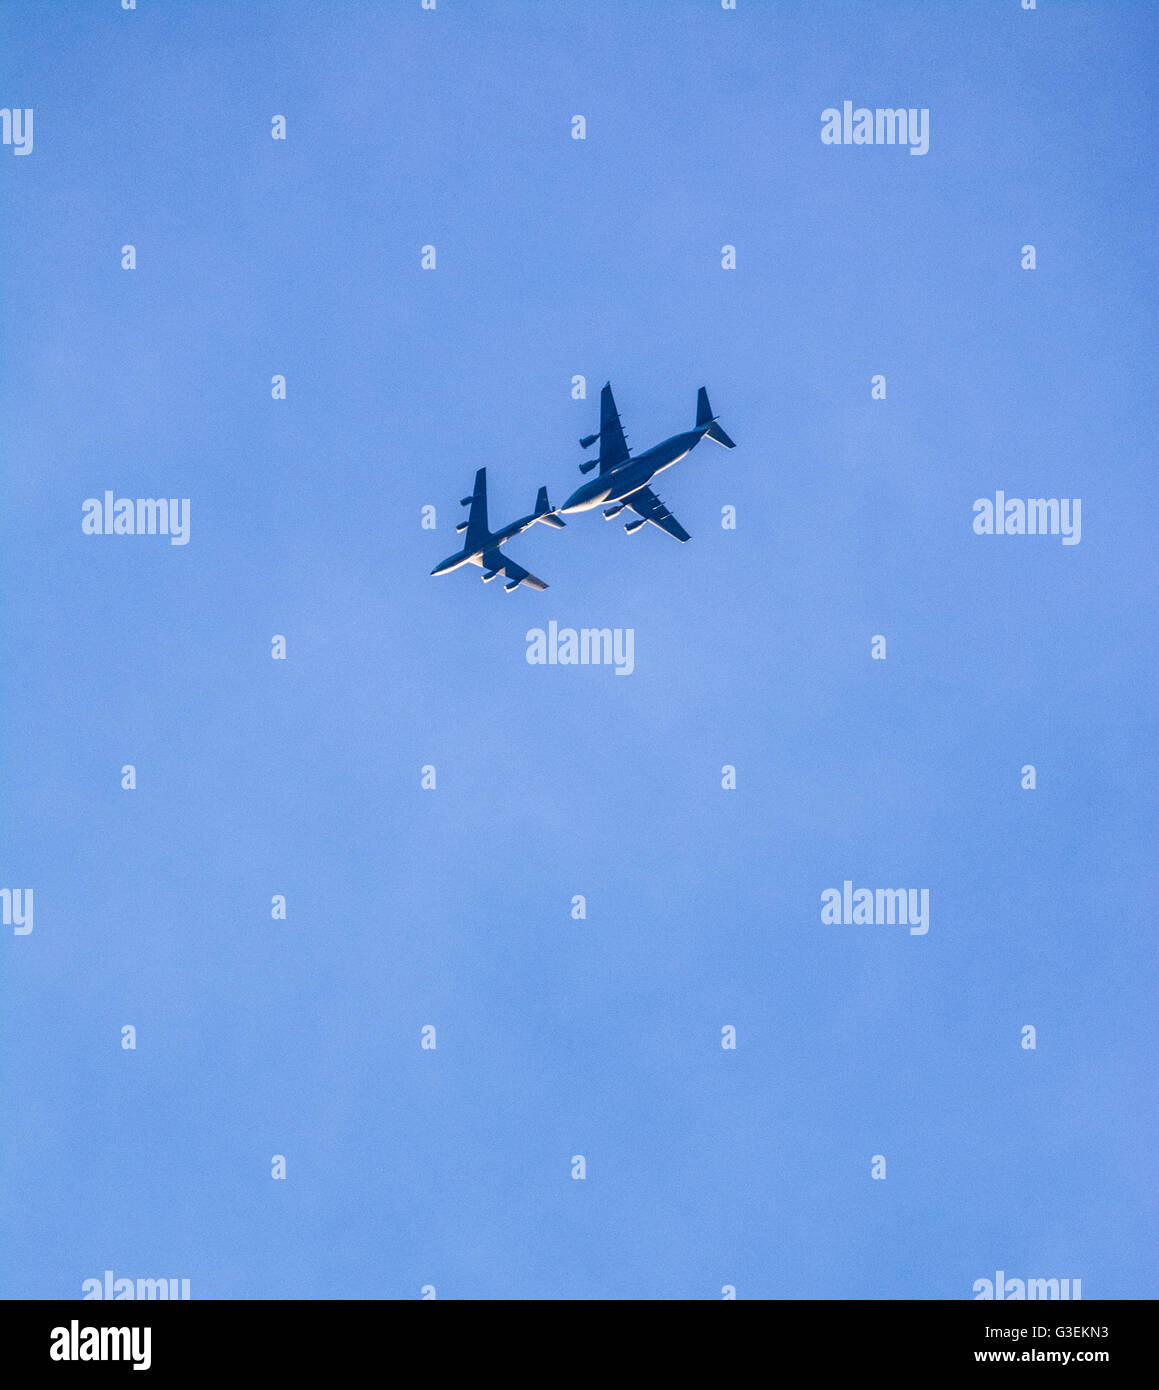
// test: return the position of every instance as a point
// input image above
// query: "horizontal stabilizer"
(544, 511)
(715, 431)
(706, 421)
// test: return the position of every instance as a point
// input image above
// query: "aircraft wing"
(613, 447)
(477, 517)
(495, 562)
(645, 503)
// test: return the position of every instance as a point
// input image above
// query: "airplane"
(482, 544)
(624, 480)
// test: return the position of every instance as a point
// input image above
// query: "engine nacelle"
(462, 526)
(635, 525)
(588, 440)
(612, 512)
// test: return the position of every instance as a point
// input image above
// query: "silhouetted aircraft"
(624, 480)
(482, 545)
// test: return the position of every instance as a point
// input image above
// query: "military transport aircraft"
(482, 544)
(623, 481)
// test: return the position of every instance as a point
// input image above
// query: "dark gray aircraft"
(624, 481)
(482, 544)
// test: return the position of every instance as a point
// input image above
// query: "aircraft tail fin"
(706, 420)
(544, 511)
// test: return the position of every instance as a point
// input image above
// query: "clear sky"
(557, 1037)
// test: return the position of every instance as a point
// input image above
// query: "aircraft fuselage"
(633, 474)
(473, 555)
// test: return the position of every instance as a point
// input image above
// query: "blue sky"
(452, 907)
